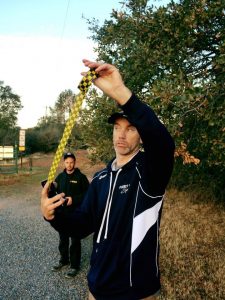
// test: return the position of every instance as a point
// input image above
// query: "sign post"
(22, 143)
(22, 140)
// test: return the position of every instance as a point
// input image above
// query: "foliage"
(10, 105)
(173, 58)
(63, 105)
(43, 139)
(47, 134)
(96, 132)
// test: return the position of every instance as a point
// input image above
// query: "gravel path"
(29, 248)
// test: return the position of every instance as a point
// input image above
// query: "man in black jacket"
(124, 202)
(74, 185)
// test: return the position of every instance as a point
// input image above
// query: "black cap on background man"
(69, 154)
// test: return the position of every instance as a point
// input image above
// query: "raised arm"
(157, 142)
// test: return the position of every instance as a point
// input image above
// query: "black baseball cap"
(69, 154)
(117, 115)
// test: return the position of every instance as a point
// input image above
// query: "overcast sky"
(42, 44)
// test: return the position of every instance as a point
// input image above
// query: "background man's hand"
(48, 205)
(69, 201)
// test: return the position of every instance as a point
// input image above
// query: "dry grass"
(192, 249)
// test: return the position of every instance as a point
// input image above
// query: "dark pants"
(70, 252)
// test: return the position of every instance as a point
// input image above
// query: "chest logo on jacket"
(124, 188)
(73, 181)
(102, 176)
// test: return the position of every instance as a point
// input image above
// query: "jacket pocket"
(105, 266)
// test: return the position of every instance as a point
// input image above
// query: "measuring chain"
(83, 87)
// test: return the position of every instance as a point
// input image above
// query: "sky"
(42, 44)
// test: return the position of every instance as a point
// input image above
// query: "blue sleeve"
(158, 145)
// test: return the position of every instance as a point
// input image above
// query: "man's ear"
(141, 145)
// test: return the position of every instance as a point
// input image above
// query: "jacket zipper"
(105, 218)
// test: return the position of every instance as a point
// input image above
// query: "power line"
(65, 19)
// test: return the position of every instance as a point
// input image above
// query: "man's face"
(126, 139)
(69, 164)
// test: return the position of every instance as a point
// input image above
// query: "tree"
(173, 58)
(63, 105)
(47, 134)
(96, 133)
(61, 112)
(10, 105)
(43, 139)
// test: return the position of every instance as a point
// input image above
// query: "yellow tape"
(83, 86)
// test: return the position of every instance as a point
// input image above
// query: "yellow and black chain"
(83, 87)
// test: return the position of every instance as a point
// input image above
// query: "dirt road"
(28, 247)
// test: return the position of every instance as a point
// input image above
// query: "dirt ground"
(29, 245)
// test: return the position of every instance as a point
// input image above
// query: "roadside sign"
(22, 140)
(6, 152)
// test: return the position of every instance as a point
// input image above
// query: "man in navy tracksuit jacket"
(124, 201)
